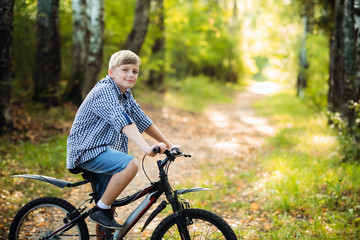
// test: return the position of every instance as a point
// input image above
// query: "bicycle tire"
(43, 215)
(205, 226)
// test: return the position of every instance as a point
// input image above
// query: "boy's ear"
(110, 72)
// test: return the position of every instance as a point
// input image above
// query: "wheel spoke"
(42, 217)
(205, 226)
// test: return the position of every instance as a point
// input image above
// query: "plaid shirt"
(99, 121)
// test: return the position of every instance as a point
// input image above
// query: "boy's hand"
(162, 147)
(175, 146)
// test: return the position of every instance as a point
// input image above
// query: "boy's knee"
(133, 165)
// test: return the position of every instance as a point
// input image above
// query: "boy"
(98, 140)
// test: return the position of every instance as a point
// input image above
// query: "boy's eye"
(125, 70)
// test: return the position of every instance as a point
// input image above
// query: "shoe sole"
(114, 228)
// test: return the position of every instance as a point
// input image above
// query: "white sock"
(102, 205)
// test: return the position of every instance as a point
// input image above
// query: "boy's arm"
(155, 133)
(132, 132)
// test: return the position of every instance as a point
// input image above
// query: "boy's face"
(125, 76)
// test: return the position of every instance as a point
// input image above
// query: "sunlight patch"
(227, 146)
(218, 119)
(265, 87)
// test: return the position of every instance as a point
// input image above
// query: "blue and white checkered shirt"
(99, 121)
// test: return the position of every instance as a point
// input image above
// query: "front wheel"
(41, 217)
(204, 225)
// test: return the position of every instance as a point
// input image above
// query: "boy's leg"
(115, 170)
(119, 181)
(117, 184)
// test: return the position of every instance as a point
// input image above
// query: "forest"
(194, 54)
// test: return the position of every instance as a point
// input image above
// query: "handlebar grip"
(156, 150)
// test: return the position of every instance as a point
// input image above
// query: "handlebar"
(172, 153)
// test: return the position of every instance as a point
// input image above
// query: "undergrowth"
(308, 192)
(302, 191)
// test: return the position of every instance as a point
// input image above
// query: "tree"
(48, 60)
(80, 51)
(6, 17)
(138, 33)
(157, 73)
(95, 12)
(88, 41)
(304, 65)
(344, 86)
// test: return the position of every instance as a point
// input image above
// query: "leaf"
(255, 206)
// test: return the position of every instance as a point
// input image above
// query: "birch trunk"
(95, 11)
(80, 51)
(302, 79)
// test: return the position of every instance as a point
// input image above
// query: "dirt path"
(222, 131)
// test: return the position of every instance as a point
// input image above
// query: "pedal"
(106, 230)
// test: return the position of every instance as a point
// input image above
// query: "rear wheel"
(41, 217)
(204, 225)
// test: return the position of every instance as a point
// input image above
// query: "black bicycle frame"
(152, 192)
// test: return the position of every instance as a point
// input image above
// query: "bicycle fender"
(54, 181)
(159, 208)
(187, 190)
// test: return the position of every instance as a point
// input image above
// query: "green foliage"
(45, 158)
(348, 131)
(317, 47)
(23, 47)
(316, 196)
(199, 41)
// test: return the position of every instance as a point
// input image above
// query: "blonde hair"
(123, 57)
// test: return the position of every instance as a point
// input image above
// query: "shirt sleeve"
(106, 105)
(141, 120)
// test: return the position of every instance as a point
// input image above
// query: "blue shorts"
(105, 165)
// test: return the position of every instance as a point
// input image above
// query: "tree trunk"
(335, 99)
(156, 75)
(48, 60)
(349, 56)
(95, 9)
(6, 18)
(302, 80)
(138, 33)
(80, 51)
(357, 47)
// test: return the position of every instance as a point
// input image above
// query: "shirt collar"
(124, 95)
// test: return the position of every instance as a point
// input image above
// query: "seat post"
(90, 176)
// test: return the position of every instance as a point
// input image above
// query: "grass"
(45, 157)
(316, 196)
(303, 190)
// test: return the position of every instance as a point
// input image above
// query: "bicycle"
(55, 218)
